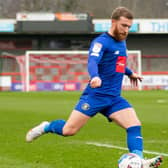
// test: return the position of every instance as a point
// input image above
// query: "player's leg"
(75, 121)
(128, 119)
(60, 127)
(125, 117)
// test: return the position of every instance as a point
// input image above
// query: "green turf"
(21, 111)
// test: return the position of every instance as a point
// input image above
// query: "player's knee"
(69, 131)
(135, 122)
(138, 122)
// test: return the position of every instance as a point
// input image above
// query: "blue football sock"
(55, 126)
(135, 140)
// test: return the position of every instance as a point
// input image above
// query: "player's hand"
(134, 78)
(95, 82)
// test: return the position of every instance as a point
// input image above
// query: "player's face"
(121, 28)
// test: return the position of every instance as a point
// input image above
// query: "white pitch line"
(161, 101)
(122, 148)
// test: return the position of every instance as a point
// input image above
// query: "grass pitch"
(21, 111)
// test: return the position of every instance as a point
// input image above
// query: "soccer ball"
(130, 160)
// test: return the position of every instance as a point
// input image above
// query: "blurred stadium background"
(71, 25)
(44, 43)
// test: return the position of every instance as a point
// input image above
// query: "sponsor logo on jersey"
(85, 106)
(121, 64)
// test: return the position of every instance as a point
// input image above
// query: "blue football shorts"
(90, 105)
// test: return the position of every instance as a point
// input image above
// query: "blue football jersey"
(107, 59)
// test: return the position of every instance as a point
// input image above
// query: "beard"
(118, 35)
